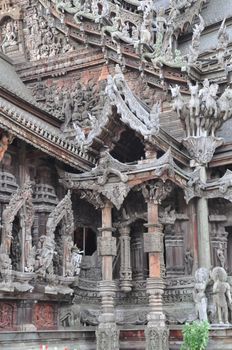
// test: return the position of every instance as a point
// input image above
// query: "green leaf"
(195, 336)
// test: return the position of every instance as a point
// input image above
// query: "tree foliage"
(196, 336)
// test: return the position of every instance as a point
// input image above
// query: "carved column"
(137, 256)
(107, 333)
(125, 265)
(203, 227)
(156, 331)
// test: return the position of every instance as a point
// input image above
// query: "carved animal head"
(175, 91)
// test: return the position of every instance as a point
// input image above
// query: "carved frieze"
(8, 315)
(44, 316)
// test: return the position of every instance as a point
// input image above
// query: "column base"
(107, 333)
(156, 337)
(107, 336)
(156, 332)
(126, 286)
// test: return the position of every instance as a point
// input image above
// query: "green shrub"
(196, 336)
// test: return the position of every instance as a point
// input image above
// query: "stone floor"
(130, 339)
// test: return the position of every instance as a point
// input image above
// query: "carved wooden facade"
(115, 166)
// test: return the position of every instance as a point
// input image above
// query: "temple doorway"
(85, 239)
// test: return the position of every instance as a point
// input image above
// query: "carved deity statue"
(188, 259)
(194, 109)
(222, 295)
(76, 259)
(67, 110)
(223, 41)
(161, 22)
(179, 107)
(10, 36)
(154, 117)
(4, 143)
(195, 46)
(68, 263)
(221, 256)
(45, 254)
(199, 297)
(5, 268)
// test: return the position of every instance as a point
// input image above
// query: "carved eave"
(61, 65)
(123, 109)
(222, 156)
(114, 179)
(207, 66)
(40, 130)
(220, 188)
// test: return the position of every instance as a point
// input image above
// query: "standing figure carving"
(194, 109)
(221, 256)
(179, 107)
(5, 140)
(45, 255)
(67, 110)
(199, 297)
(195, 46)
(222, 295)
(223, 41)
(188, 261)
(76, 259)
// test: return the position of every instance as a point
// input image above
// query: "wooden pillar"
(193, 232)
(203, 227)
(107, 333)
(125, 263)
(153, 229)
(106, 235)
(156, 331)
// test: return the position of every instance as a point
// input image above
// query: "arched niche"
(58, 240)
(220, 227)
(19, 216)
